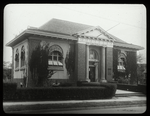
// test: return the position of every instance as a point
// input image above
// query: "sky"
(125, 21)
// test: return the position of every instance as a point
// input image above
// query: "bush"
(80, 83)
(142, 88)
(62, 93)
(111, 87)
(66, 84)
(9, 90)
(123, 80)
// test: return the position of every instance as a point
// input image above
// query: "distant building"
(97, 55)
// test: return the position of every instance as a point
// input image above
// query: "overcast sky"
(128, 20)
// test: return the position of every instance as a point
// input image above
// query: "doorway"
(92, 74)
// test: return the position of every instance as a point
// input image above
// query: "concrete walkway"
(123, 93)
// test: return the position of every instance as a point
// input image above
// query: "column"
(87, 63)
(103, 65)
(96, 72)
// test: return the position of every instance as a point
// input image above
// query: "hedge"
(103, 91)
(9, 90)
(111, 87)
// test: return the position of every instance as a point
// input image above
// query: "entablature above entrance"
(95, 42)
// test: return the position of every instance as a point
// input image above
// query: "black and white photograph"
(74, 59)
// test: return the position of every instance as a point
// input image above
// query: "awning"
(54, 63)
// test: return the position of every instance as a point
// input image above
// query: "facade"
(74, 52)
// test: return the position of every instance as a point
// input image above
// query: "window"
(121, 62)
(17, 58)
(55, 58)
(22, 56)
(93, 55)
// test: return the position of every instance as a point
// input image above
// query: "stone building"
(76, 52)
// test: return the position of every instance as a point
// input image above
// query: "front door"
(92, 74)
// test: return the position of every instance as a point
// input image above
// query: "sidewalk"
(116, 101)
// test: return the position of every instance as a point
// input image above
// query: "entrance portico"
(95, 58)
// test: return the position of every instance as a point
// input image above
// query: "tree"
(6, 70)
(140, 58)
(70, 62)
(39, 65)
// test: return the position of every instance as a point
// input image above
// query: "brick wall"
(81, 61)
(109, 63)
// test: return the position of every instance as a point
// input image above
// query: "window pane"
(55, 58)
(55, 53)
(59, 58)
(50, 57)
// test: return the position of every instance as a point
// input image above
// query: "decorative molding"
(95, 42)
(102, 31)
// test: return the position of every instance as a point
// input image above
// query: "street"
(135, 109)
(92, 110)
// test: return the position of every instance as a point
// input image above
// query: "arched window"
(22, 56)
(55, 58)
(17, 58)
(121, 62)
(93, 56)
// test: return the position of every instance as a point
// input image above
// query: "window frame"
(22, 57)
(55, 58)
(95, 55)
(121, 56)
(17, 60)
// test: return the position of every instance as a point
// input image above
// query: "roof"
(127, 45)
(32, 31)
(65, 29)
(62, 26)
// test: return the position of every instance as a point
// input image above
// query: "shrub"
(66, 84)
(142, 88)
(111, 87)
(80, 83)
(9, 90)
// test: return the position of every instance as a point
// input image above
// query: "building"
(75, 52)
